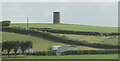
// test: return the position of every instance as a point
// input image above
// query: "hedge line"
(78, 52)
(43, 53)
(70, 52)
(76, 32)
(55, 38)
(39, 53)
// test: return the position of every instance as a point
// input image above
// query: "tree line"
(9, 45)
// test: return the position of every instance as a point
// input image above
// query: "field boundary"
(76, 32)
(70, 52)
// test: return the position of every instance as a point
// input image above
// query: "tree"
(3, 46)
(16, 46)
(25, 45)
(6, 23)
(8, 45)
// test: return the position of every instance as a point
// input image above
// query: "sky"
(60, 0)
(82, 13)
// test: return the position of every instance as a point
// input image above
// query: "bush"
(6, 23)
(70, 52)
(43, 53)
(39, 53)
(78, 52)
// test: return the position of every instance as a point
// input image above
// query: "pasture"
(70, 27)
(39, 44)
(43, 44)
(100, 56)
(112, 40)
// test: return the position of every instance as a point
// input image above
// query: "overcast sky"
(83, 13)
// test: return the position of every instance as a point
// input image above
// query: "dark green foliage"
(6, 23)
(25, 45)
(70, 52)
(8, 45)
(16, 46)
(39, 53)
(44, 53)
(78, 52)
(3, 46)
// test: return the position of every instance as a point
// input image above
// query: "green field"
(43, 44)
(100, 56)
(112, 40)
(70, 27)
(39, 44)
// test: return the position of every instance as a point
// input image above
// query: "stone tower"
(56, 17)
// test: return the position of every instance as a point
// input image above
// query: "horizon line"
(66, 24)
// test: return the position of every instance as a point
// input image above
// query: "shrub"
(43, 53)
(78, 52)
(6, 23)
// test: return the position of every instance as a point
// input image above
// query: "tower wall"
(56, 17)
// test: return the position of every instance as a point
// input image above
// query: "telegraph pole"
(27, 23)
(28, 27)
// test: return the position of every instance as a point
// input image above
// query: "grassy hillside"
(71, 27)
(113, 40)
(39, 44)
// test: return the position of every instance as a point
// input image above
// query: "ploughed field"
(70, 27)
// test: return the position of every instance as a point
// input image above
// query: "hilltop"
(70, 27)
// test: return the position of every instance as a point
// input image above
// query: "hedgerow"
(76, 32)
(78, 52)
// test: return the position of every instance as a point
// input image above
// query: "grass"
(71, 27)
(113, 40)
(100, 56)
(39, 44)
